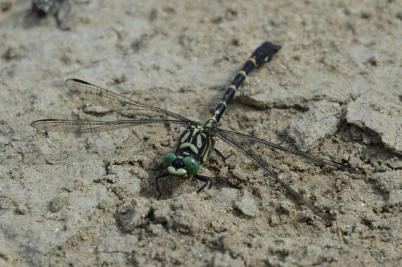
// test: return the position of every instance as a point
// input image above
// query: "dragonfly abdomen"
(262, 54)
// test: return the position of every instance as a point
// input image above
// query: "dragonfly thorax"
(194, 146)
(195, 141)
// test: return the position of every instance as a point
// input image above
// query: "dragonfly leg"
(207, 180)
(223, 157)
(157, 180)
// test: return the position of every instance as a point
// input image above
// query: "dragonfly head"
(180, 166)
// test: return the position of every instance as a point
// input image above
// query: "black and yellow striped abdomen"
(262, 54)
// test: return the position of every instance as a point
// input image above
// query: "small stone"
(246, 204)
(314, 255)
(125, 178)
(161, 215)
(6, 5)
(311, 86)
(319, 121)
(361, 54)
(388, 181)
(185, 222)
(226, 195)
(355, 133)
(225, 260)
(399, 15)
(382, 115)
(395, 198)
(231, 241)
(115, 241)
(119, 79)
(156, 229)
(133, 215)
(274, 220)
(115, 247)
(57, 204)
(184, 215)
(13, 52)
(395, 164)
(393, 230)
(21, 209)
(135, 185)
(219, 225)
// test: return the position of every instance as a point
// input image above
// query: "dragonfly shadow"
(30, 20)
(171, 186)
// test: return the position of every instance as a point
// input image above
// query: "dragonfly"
(197, 141)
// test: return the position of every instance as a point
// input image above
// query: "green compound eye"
(192, 166)
(168, 158)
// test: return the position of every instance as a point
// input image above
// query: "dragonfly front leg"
(207, 180)
(157, 180)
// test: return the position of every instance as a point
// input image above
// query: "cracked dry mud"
(334, 88)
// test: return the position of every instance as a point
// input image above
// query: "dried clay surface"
(334, 90)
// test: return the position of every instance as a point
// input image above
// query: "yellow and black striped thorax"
(196, 142)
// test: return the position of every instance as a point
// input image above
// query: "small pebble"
(319, 121)
(246, 204)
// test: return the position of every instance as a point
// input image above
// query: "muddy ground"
(334, 89)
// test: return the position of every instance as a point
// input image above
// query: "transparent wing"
(245, 144)
(97, 94)
(81, 127)
(318, 161)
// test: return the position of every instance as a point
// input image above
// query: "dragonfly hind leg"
(207, 181)
(220, 154)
